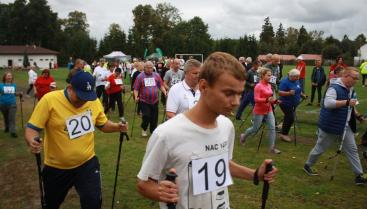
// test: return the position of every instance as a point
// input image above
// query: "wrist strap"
(347, 103)
(256, 177)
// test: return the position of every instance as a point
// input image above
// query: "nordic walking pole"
(21, 108)
(294, 127)
(264, 196)
(248, 115)
(171, 176)
(38, 160)
(261, 137)
(134, 113)
(122, 134)
(339, 151)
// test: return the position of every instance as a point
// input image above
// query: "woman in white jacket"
(32, 76)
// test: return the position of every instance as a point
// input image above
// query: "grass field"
(292, 190)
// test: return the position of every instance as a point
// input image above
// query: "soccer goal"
(199, 57)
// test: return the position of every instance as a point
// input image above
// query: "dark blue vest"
(333, 121)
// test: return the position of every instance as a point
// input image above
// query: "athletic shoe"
(310, 171)
(361, 179)
(285, 138)
(275, 151)
(14, 135)
(144, 133)
(122, 119)
(27, 95)
(309, 104)
(242, 139)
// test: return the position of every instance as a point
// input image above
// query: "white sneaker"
(144, 133)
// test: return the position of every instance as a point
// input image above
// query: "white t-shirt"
(100, 74)
(173, 77)
(180, 98)
(32, 76)
(179, 143)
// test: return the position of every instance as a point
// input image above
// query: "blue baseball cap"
(83, 84)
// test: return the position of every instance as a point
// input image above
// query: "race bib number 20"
(79, 125)
(210, 174)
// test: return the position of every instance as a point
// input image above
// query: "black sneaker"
(310, 171)
(309, 104)
(361, 179)
(14, 135)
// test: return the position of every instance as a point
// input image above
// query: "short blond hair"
(218, 63)
(263, 71)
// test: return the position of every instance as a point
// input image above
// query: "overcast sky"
(230, 18)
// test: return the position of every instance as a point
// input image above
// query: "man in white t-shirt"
(184, 95)
(100, 74)
(32, 76)
(198, 145)
(173, 75)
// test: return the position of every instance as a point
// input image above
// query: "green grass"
(292, 189)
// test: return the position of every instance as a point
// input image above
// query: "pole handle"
(171, 176)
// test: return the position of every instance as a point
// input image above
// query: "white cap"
(300, 57)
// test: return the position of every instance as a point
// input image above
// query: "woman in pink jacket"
(263, 109)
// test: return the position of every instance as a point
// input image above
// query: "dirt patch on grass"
(19, 184)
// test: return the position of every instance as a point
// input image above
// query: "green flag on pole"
(145, 52)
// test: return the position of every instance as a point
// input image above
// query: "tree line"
(33, 22)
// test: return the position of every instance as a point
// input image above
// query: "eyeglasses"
(356, 78)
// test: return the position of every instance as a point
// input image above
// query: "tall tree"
(291, 41)
(302, 37)
(114, 40)
(266, 36)
(280, 39)
(360, 40)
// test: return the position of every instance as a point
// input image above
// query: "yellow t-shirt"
(52, 114)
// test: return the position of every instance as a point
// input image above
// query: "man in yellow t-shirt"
(68, 118)
(363, 69)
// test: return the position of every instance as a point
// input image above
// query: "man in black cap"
(68, 118)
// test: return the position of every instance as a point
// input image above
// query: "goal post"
(187, 56)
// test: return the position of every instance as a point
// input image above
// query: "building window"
(19, 60)
(52, 59)
(41, 59)
(46, 59)
(30, 59)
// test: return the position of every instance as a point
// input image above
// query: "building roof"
(284, 57)
(21, 49)
(311, 56)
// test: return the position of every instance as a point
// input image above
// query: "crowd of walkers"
(198, 99)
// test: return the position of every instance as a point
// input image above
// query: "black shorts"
(86, 179)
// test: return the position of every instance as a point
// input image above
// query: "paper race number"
(9, 90)
(210, 174)
(79, 125)
(273, 79)
(118, 81)
(149, 82)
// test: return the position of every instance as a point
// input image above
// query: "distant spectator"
(32, 76)
(8, 105)
(301, 66)
(318, 79)
(338, 63)
(363, 69)
(44, 84)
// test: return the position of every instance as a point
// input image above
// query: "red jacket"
(301, 66)
(114, 88)
(42, 85)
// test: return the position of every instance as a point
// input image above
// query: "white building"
(11, 56)
(362, 55)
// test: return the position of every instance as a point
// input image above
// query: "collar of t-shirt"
(188, 88)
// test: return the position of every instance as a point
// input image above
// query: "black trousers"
(364, 76)
(288, 119)
(116, 97)
(150, 116)
(313, 89)
(30, 88)
(86, 179)
(100, 90)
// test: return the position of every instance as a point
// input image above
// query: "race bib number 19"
(79, 125)
(210, 174)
